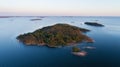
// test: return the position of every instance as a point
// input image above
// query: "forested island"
(55, 36)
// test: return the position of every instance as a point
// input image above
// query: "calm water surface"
(15, 54)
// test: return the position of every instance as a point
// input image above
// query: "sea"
(16, 54)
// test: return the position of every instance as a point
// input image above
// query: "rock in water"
(82, 53)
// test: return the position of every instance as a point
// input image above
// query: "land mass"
(55, 36)
(35, 19)
(94, 24)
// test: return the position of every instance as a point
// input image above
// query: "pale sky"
(60, 7)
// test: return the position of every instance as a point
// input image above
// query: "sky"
(60, 7)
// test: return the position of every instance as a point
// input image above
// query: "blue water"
(16, 54)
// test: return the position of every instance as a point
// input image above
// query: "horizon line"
(51, 15)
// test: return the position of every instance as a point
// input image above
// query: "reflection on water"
(15, 54)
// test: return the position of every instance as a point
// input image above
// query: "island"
(56, 36)
(5, 16)
(35, 19)
(76, 51)
(94, 24)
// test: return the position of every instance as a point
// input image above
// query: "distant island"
(94, 24)
(35, 19)
(55, 36)
(5, 16)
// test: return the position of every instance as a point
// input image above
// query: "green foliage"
(75, 49)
